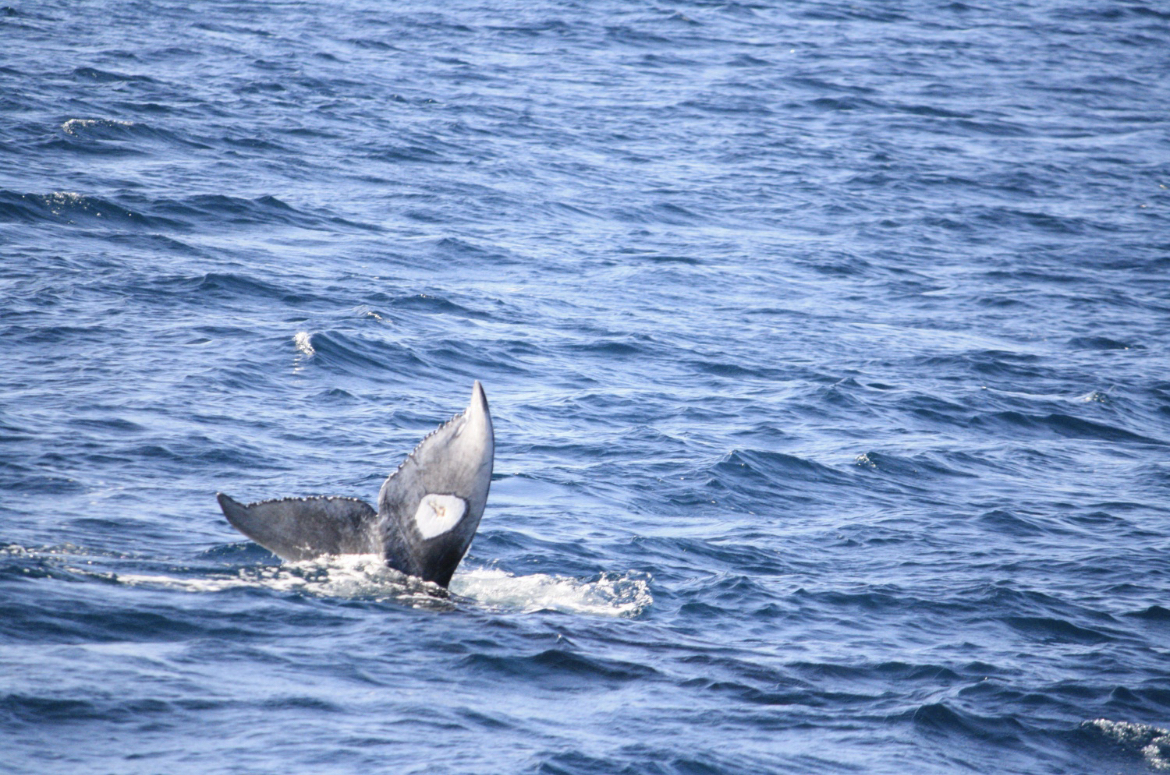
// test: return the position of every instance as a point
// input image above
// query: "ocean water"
(826, 343)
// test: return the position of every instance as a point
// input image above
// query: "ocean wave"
(1058, 424)
(73, 208)
(108, 76)
(98, 130)
(202, 212)
(350, 353)
(559, 669)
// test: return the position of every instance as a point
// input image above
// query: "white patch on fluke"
(437, 514)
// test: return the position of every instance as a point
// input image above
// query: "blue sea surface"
(826, 344)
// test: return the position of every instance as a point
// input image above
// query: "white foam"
(303, 341)
(436, 514)
(71, 126)
(611, 595)
(1153, 742)
(346, 576)
(367, 577)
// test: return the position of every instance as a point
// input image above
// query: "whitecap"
(304, 342)
(71, 126)
(1153, 742)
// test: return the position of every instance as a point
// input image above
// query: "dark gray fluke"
(428, 510)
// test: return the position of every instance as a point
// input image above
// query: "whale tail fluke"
(303, 528)
(428, 510)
